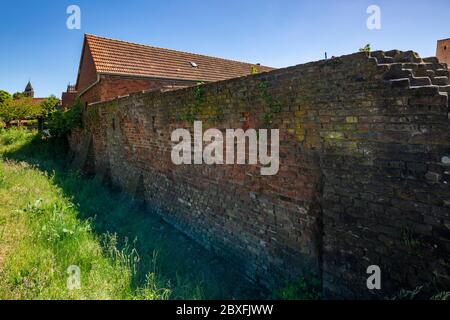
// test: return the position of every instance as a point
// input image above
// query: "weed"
(302, 289)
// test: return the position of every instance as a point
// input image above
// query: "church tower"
(29, 91)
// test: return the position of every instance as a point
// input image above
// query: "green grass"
(52, 217)
(302, 289)
(41, 236)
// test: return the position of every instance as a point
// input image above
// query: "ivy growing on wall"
(193, 110)
(200, 108)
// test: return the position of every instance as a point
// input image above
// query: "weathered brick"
(360, 162)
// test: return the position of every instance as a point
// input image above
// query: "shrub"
(4, 97)
(60, 122)
(13, 136)
(49, 106)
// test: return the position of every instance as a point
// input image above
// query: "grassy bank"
(41, 235)
(52, 218)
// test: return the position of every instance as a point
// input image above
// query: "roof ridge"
(172, 50)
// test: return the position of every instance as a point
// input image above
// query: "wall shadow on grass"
(189, 270)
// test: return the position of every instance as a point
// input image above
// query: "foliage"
(43, 236)
(18, 95)
(367, 48)
(4, 97)
(14, 137)
(302, 289)
(418, 294)
(54, 240)
(442, 296)
(194, 110)
(274, 106)
(61, 122)
(407, 294)
(19, 109)
(49, 106)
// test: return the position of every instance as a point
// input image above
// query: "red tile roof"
(36, 101)
(120, 57)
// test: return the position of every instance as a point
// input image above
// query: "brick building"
(443, 51)
(68, 97)
(111, 68)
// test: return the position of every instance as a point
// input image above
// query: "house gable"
(87, 72)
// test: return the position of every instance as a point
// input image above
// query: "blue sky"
(37, 45)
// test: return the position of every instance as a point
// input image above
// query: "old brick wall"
(363, 180)
(386, 194)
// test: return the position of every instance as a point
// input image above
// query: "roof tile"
(120, 57)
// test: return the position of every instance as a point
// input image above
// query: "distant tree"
(4, 96)
(18, 95)
(19, 109)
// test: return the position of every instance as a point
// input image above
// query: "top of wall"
(395, 63)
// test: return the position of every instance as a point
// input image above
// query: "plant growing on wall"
(193, 111)
(367, 49)
(199, 99)
(254, 70)
(273, 105)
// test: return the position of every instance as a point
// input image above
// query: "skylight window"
(194, 65)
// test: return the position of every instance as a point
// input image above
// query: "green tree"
(4, 97)
(49, 106)
(18, 95)
(19, 109)
(61, 122)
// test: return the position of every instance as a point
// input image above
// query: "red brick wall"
(112, 86)
(443, 51)
(94, 94)
(68, 98)
(363, 180)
